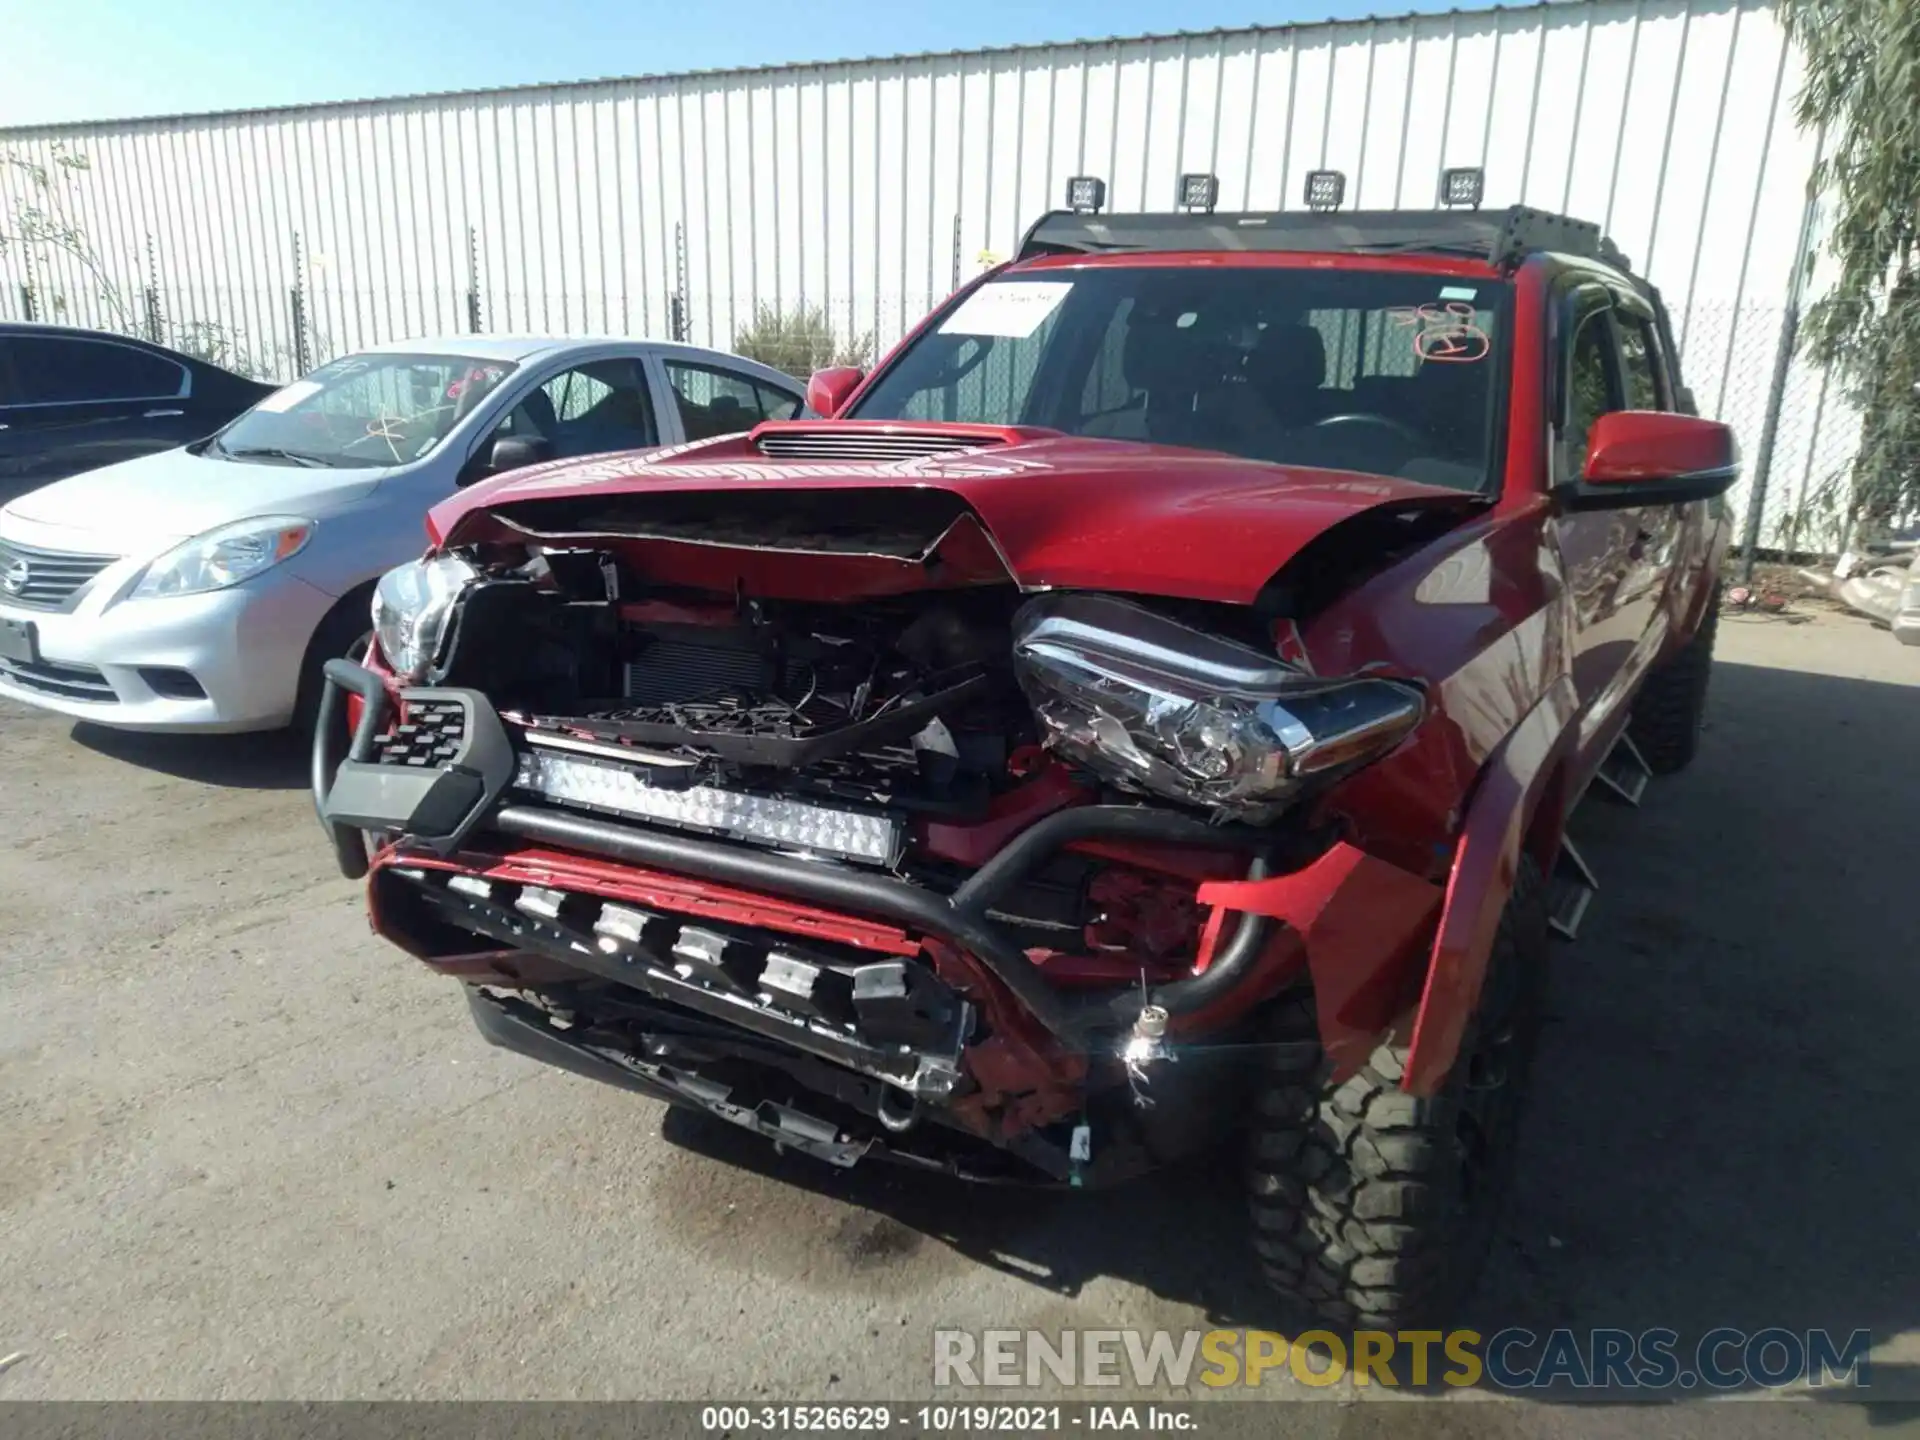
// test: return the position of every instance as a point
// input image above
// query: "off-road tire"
(1373, 1208)
(1673, 699)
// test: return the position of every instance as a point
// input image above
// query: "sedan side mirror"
(829, 390)
(1653, 457)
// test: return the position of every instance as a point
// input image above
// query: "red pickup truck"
(1143, 714)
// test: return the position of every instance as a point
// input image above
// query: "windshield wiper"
(273, 452)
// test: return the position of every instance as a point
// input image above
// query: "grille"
(69, 682)
(45, 579)
(430, 735)
(863, 444)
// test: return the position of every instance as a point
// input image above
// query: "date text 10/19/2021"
(959, 1419)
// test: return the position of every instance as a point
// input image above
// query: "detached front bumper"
(691, 967)
(446, 790)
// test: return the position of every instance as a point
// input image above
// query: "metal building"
(869, 188)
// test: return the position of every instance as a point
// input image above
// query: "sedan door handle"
(160, 414)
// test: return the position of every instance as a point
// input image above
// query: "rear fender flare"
(1499, 818)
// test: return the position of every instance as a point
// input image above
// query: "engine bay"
(907, 703)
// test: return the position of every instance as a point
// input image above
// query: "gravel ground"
(251, 1152)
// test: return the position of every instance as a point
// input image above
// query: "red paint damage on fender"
(1361, 923)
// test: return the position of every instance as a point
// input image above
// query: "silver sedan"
(201, 589)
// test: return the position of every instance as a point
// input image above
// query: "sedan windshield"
(362, 410)
(1391, 372)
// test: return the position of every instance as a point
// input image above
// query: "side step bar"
(1570, 890)
(1623, 775)
(1622, 778)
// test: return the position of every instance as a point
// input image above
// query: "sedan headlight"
(1164, 709)
(225, 556)
(411, 607)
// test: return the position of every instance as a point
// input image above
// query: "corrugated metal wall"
(867, 187)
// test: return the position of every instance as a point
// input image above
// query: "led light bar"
(762, 819)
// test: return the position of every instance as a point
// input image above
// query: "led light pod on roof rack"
(1086, 194)
(1325, 189)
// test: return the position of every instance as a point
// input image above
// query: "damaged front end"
(817, 821)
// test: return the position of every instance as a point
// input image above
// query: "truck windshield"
(1391, 372)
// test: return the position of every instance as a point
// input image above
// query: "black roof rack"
(1503, 238)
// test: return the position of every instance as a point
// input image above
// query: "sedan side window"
(1592, 387)
(714, 402)
(589, 410)
(55, 370)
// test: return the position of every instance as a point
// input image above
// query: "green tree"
(37, 225)
(1863, 90)
(799, 340)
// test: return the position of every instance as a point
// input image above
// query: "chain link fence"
(1795, 498)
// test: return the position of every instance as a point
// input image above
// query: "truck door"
(1602, 552)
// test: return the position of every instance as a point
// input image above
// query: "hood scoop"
(872, 440)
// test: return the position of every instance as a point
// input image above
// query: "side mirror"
(1653, 457)
(513, 452)
(829, 390)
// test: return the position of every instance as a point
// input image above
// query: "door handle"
(160, 414)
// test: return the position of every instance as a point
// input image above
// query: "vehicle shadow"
(269, 760)
(1721, 1129)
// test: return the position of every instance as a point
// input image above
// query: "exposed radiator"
(676, 671)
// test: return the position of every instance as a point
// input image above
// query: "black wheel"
(344, 632)
(1374, 1208)
(1673, 698)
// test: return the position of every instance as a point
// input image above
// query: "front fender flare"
(1512, 786)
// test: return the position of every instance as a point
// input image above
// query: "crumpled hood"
(154, 500)
(1060, 511)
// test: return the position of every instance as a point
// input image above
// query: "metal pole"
(156, 326)
(677, 302)
(1777, 391)
(474, 324)
(302, 356)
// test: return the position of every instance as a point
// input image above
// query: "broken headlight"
(411, 607)
(1161, 708)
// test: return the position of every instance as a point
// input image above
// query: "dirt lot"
(251, 1152)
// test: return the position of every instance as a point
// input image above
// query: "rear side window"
(1639, 364)
(53, 370)
(1593, 387)
(714, 402)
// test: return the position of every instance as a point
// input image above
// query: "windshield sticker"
(1448, 332)
(484, 376)
(289, 396)
(1456, 292)
(1013, 310)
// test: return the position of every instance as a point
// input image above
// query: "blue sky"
(105, 59)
